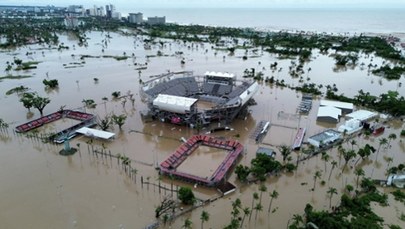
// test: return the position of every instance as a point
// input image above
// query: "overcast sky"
(122, 4)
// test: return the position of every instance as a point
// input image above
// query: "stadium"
(195, 101)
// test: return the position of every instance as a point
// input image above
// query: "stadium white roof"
(89, 132)
(220, 74)
(362, 115)
(249, 93)
(337, 104)
(329, 111)
(176, 104)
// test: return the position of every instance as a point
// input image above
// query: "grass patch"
(13, 77)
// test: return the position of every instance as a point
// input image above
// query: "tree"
(104, 123)
(382, 141)
(40, 103)
(334, 164)
(353, 142)
(258, 207)
(119, 120)
(187, 224)
(331, 191)
(317, 175)
(348, 155)
(325, 157)
(262, 188)
(242, 172)
(391, 137)
(255, 197)
(358, 172)
(273, 195)
(51, 83)
(186, 195)
(205, 216)
(27, 100)
(285, 152)
(246, 211)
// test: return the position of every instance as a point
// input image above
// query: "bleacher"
(170, 165)
(185, 86)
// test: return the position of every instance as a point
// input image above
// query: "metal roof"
(177, 104)
(362, 115)
(220, 74)
(337, 104)
(329, 111)
(95, 133)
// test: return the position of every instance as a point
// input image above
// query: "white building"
(345, 107)
(329, 114)
(156, 20)
(362, 115)
(136, 18)
(324, 138)
(350, 126)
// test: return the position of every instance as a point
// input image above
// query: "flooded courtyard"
(42, 189)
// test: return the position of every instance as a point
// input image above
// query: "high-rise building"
(136, 18)
(156, 20)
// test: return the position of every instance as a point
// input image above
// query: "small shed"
(267, 151)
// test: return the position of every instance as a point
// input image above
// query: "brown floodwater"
(41, 189)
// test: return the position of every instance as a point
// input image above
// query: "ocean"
(314, 20)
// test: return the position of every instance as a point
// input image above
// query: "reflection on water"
(88, 191)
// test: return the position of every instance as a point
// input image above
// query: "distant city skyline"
(122, 4)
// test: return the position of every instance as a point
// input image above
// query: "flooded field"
(41, 189)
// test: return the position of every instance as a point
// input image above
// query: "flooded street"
(42, 189)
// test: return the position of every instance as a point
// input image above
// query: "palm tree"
(262, 188)
(119, 120)
(205, 216)
(331, 192)
(348, 155)
(334, 164)
(325, 157)
(255, 197)
(391, 137)
(358, 172)
(383, 141)
(273, 195)
(187, 224)
(258, 208)
(353, 142)
(246, 211)
(317, 175)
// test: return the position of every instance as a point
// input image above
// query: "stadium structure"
(185, 99)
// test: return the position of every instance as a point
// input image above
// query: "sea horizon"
(329, 20)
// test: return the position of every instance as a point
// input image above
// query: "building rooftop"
(329, 111)
(337, 104)
(325, 135)
(362, 115)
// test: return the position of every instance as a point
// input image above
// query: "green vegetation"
(18, 90)
(186, 195)
(399, 195)
(262, 165)
(89, 103)
(344, 60)
(30, 100)
(310, 88)
(27, 65)
(386, 71)
(51, 83)
(353, 212)
(119, 120)
(15, 77)
(402, 133)
(389, 102)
